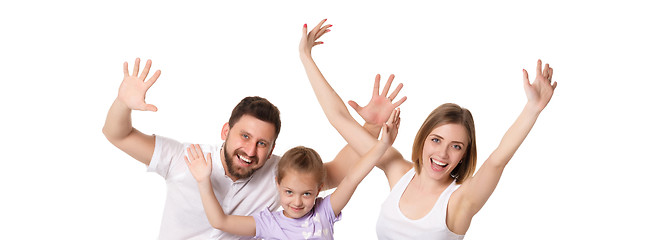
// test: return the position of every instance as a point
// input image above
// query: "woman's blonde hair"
(446, 114)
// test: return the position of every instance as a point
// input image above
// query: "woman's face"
(443, 149)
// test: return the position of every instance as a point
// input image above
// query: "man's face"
(247, 146)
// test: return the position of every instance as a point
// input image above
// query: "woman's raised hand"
(540, 91)
(308, 41)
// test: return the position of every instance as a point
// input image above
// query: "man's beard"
(231, 169)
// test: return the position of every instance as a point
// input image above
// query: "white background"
(590, 169)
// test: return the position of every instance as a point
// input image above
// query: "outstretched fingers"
(323, 30)
(386, 87)
(135, 72)
(153, 79)
(125, 69)
(146, 70)
(314, 34)
(393, 95)
(398, 103)
(391, 127)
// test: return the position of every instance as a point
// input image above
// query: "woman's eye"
(436, 140)
(458, 147)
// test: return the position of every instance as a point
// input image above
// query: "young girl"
(437, 195)
(300, 175)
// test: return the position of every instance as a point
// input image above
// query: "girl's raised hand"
(308, 41)
(540, 91)
(390, 128)
(199, 166)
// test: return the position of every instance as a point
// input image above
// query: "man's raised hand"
(134, 87)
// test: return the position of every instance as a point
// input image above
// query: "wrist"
(304, 54)
(204, 184)
(373, 129)
(532, 108)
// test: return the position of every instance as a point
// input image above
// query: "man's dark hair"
(259, 108)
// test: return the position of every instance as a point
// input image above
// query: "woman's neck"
(427, 184)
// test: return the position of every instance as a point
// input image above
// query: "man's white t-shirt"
(184, 217)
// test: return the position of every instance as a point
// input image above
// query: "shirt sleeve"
(265, 222)
(325, 207)
(166, 152)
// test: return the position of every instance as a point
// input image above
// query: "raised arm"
(473, 194)
(375, 114)
(131, 96)
(340, 197)
(201, 169)
(332, 105)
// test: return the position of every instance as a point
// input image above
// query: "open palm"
(199, 166)
(134, 87)
(380, 107)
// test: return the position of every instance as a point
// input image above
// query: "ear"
(225, 131)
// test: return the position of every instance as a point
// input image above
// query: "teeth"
(244, 159)
(439, 163)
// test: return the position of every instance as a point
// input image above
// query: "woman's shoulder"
(396, 171)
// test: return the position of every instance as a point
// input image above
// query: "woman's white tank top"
(392, 224)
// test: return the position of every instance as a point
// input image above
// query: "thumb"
(208, 159)
(149, 107)
(527, 83)
(355, 106)
(384, 132)
(304, 31)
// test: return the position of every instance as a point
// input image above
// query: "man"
(243, 167)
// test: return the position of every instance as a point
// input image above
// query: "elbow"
(497, 160)
(106, 133)
(217, 226)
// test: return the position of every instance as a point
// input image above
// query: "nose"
(251, 149)
(444, 153)
(297, 201)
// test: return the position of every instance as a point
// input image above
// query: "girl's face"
(443, 149)
(297, 193)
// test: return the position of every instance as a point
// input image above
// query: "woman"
(436, 194)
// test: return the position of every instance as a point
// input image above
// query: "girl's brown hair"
(303, 160)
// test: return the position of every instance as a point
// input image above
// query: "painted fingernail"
(304, 25)
(330, 25)
(327, 30)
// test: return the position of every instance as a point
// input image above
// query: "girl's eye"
(308, 194)
(457, 147)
